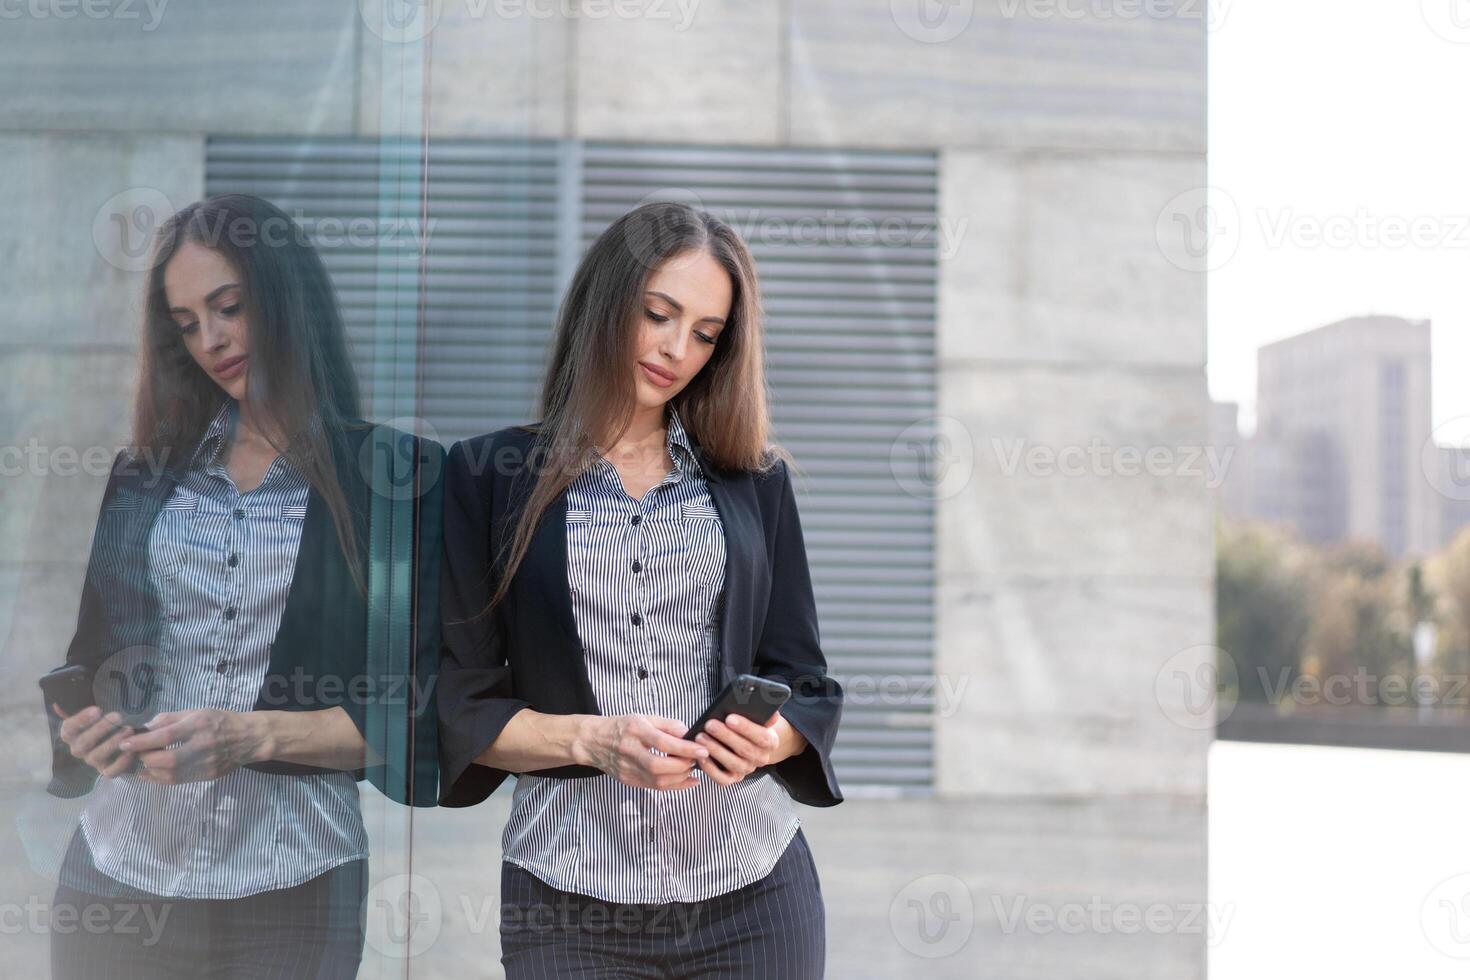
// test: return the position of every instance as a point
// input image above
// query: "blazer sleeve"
(70, 776)
(475, 692)
(379, 641)
(790, 650)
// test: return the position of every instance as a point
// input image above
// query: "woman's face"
(685, 306)
(205, 299)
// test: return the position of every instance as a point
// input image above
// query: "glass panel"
(261, 598)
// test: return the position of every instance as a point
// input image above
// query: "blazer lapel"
(547, 560)
(320, 567)
(146, 498)
(541, 587)
(747, 569)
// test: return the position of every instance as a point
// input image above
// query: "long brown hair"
(589, 390)
(301, 381)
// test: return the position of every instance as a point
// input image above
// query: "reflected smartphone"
(756, 698)
(69, 688)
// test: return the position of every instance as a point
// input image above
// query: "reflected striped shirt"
(221, 563)
(646, 579)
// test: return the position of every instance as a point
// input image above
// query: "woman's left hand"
(210, 743)
(738, 746)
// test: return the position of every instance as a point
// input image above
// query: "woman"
(608, 570)
(241, 688)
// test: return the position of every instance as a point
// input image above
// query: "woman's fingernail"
(125, 746)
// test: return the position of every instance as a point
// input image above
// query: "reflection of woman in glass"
(224, 619)
(636, 549)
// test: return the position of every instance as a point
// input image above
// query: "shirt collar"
(679, 439)
(216, 437)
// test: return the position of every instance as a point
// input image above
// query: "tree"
(1448, 576)
(1263, 603)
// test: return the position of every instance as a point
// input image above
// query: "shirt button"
(642, 673)
(234, 560)
(239, 513)
(230, 613)
(637, 567)
(222, 666)
(637, 619)
(637, 519)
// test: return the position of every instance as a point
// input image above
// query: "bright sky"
(1343, 118)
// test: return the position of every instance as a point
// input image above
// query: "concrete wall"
(1068, 603)
(1064, 591)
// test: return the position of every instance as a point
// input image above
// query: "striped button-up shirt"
(221, 563)
(646, 579)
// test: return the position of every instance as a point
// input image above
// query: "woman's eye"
(231, 310)
(188, 328)
(656, 317)
(706, 338)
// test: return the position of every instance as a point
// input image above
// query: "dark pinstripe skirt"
(774, 927)
(101, 928)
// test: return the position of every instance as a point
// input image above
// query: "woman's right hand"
(622, 746)
(94, 739)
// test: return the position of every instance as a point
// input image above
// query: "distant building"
(1343, 419)
(1232, 496)
(1453, 485)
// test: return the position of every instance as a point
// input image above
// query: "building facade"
(1343, 429)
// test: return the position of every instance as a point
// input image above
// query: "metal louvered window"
(845, 241)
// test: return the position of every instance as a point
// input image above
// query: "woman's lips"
(661, 380)
(231, 368)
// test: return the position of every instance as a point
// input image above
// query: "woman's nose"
(673, 348)
(215, 335)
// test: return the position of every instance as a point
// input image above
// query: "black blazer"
(526, 653)
(326, 642)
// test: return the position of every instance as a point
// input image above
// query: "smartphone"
(756, 698)
(69, 688)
